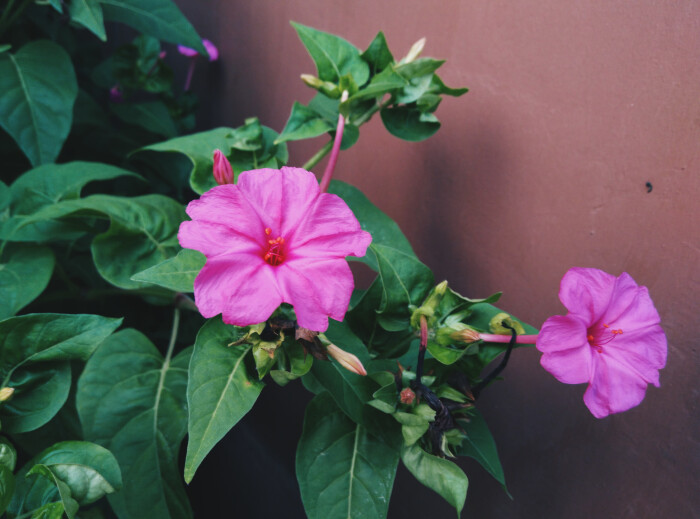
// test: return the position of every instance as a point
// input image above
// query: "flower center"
(274, 251)
(598, 338)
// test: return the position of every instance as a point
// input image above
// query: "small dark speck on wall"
(649, 187)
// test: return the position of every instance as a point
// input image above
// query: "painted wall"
(574, 106)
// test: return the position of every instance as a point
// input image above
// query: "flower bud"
(116, 95)
(415, 51)
(347, 360)
(223, 172)
(407, 396)
(467, 335)
(211, 50)
(325, 87)
(429, 305)
(6, 393)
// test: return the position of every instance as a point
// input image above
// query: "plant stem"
(522, 339)
(421, 350)
(7, 22)
(487, 380)
(173, 335)
(190, 72)
(318, 156)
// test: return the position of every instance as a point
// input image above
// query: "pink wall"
(573, 107)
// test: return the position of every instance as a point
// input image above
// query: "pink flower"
(223, 172)
(191, 53)
(611, 338)
(269, 239)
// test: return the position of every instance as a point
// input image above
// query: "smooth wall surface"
(573, 107)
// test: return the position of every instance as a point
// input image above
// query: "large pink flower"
(611, 338)
(269, 239)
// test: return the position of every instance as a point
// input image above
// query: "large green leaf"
(46, 481)
(48, 185)
(25, 270)
(151, 115)
(334, 57)
(88, 13)
(143, 232)
(132, 401)
(40, 392)
(158, 18)
(176, 273)
(38, 88)
(438, 474)
(304, 123)
(343, 471)
(409, 123)
(7, 487)
(378, 54)
(480, 445)
(220, 390)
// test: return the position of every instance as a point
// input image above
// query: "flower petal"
(241, 287)
(614, 387)
(228, 206)
(586, 292)
(330, 219)
(642, 351)
(317, 289)
(215, 239)
(630, 306)
(567, 354)
(281, 197)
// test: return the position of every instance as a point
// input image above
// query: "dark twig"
(487, 380)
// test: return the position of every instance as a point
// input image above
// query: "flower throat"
(274, 253)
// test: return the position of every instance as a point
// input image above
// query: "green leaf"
(25, 270)
(50, 337)
(220, 390)
(88, 13)
(419, 67)
(409, 123)
(413, 427)
(70, 505)
(334, 57)
(440, 88)
(440, 475)
(49, 511)
(304, 123)
(158, 18)
(176, 273)
(8, 455)
(40, 392)
(378, 54)
(132, 402)
(143, 232)
(89, 470)
(39, 88)
(343, 471)
(480, 445)
(7, 487)
(387, 81)
(152, 116)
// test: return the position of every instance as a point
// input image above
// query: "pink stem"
(190, 71)
(521, 339)
(335, 151)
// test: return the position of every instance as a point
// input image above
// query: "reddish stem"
(522, 339)
(335, 151)
(190, 71)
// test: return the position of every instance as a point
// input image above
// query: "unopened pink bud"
(223, 172)
(347, 360)
(162, 54)
(116, 95)
(186, 51)
(407, 396)
(211, 50)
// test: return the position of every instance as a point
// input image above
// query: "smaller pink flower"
(611, 338)
(223, 172)
(271, 238)
(191, 53)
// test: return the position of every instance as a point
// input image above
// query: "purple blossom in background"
(611, 338)
(191, 53)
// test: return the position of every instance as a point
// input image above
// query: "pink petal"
(332, 226)
(186, 51)
(280, 197)
(241, 287)
(215, 239)
(317, 289)
(630, 306)
(226, 205)
(642, 352)
(586, 292)
(613, 388)
(567, 354)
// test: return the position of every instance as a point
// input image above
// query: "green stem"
(5, 23)
(173, 336)
(318, 156)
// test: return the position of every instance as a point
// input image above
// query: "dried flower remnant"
(271, 238)
(611, 338)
